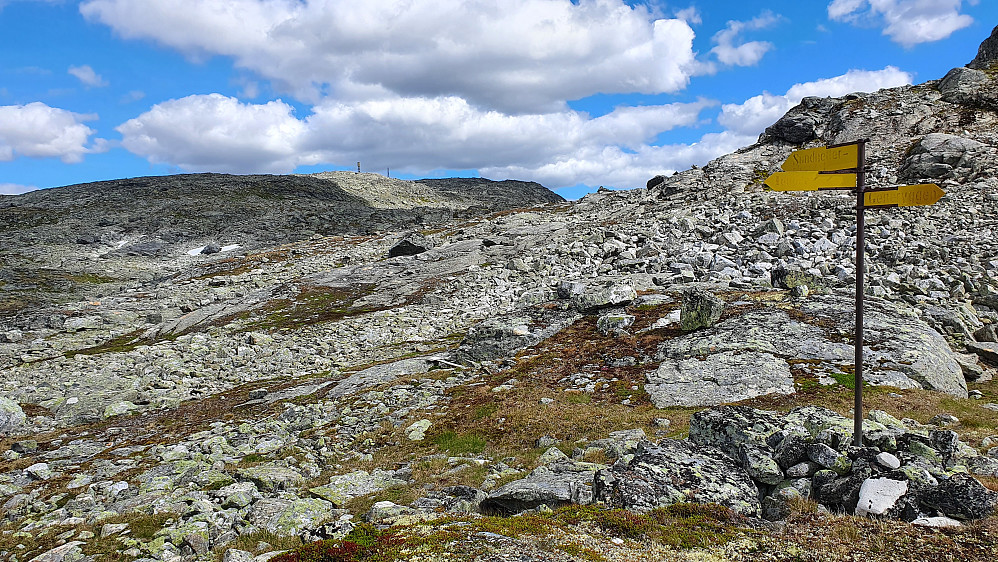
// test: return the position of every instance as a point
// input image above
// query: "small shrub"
(365, 542)
(620, 522)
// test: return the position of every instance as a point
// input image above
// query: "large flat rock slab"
(751, 354)
(719, 378)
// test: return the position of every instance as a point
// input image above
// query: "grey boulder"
(701, 308)
(554, 485)
(12, 416)
(943, 156)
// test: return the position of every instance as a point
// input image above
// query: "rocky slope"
(473, 363)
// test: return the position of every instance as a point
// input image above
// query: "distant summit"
(987, 55)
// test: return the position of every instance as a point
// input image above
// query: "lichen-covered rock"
(595, 297)
(759, 464)
(386, 511)
(119, 408)
(288, 517)
(614, 323)
(897, 343)
(620, 443)
(674, 472)
(700, 309)
(728, 427)
(970, 87)
(943, 156)
(496, 337)
(345, 487)
(69, 552)
(791, 276)
(453, 499)
(11, 416)
(553, 485)
(270, 477)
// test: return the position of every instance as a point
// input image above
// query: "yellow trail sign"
(904, 196)
(823, 159)
(809, 181)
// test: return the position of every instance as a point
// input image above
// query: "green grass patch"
(578, 398)
(458, 444)
(485, 411)
(847, 380)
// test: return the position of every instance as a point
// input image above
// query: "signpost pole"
(860, 274)
(843, 166)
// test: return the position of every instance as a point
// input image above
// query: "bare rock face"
(987, 54)
(969, 87)
(943, 156)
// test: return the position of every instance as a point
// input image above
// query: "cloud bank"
(558, 149)
(394, 84)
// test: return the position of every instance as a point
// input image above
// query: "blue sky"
(573, 95)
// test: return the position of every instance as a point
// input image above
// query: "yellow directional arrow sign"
(809, 181)
(904, 196)
(823, 159)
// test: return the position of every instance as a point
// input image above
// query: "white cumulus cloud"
(217, 133)
(755, 114)
(906, 22)
(87, 75)
(15, 188)
(519, 56)
(743, 54)
(38, 131)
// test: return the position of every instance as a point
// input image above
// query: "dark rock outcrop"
(675, 472)
(903, 470)
(987, 53)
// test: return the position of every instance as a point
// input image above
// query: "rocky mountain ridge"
(554, 358)
(81, 242)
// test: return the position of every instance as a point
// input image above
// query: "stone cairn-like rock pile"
(758, 463)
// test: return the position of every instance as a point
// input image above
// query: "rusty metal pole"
(860, 274)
